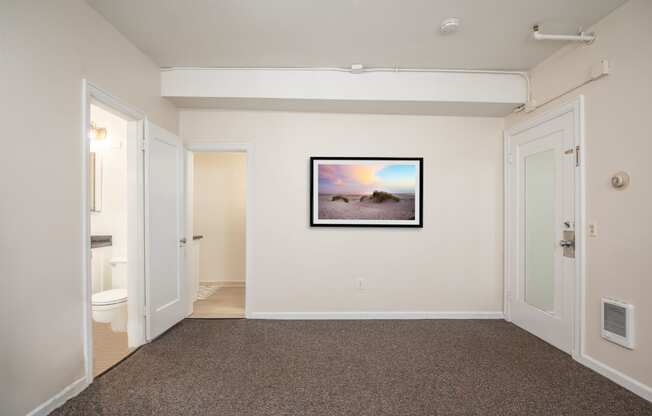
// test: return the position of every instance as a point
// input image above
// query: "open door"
(165, 299)
(191, 255)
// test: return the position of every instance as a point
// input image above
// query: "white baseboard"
(60, 398)
(617, 377)
(375, 315)
(225, 283)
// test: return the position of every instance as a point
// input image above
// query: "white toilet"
(110, 306)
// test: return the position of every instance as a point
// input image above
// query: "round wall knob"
(620, 180)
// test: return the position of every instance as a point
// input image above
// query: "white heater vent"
(617, 322)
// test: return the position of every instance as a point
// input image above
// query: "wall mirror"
(95, 182)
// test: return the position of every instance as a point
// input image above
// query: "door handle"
(567, 243)
(182, 242)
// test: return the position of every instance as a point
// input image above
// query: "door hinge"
(144, 310)
(143, 145)
(509, 158)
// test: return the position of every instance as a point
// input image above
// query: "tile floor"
(227, 302)
(109, 347)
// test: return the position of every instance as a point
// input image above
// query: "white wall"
(618, 114)
(112, 217)
(453, 264)
(47, 48)
(219, 215)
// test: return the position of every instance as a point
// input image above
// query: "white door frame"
(211, 146)
(92, 93)
(576, 108)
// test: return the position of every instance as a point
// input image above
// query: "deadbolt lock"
(568, 243)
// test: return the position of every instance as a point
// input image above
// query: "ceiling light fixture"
(450, 25)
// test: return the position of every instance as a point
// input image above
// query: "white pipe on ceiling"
(581, 37)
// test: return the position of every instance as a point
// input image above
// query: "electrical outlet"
(593, 230)
(359, 283)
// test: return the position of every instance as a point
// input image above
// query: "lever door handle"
(567, 243)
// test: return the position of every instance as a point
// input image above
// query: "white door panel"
(541, 180)
(164, 252)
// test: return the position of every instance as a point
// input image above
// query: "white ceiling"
(381, 33)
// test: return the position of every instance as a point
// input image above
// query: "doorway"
(113, 248)
(216, 218)
(156, 295)
(544, 226)
(108, 193)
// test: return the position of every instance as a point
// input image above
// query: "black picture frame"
(380, 223)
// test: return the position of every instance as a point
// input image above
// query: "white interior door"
(192, 247)
(541, 221)
(163, 234)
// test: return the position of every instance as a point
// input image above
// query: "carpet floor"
(397, 368)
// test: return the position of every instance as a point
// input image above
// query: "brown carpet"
(398, 368)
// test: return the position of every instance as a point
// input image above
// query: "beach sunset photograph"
(375, 190)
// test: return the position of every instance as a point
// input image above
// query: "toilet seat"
(109, 297)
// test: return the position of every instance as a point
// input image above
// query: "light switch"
(593, 230)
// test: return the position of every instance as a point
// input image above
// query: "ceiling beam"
(385, 87)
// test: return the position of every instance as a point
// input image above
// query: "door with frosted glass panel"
(541, 266)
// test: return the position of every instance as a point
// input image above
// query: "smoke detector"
(450, 25)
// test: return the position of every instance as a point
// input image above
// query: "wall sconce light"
(99, 137)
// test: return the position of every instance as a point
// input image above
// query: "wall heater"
(618, 322)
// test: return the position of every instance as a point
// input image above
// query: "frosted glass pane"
(540, 230)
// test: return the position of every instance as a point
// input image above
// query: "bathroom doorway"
(108, 225)
(113, 189)
(216, 223)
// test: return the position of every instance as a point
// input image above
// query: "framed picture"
(366, 192)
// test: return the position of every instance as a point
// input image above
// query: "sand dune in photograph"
(366, 207)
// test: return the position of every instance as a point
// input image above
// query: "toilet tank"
(118, 272)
